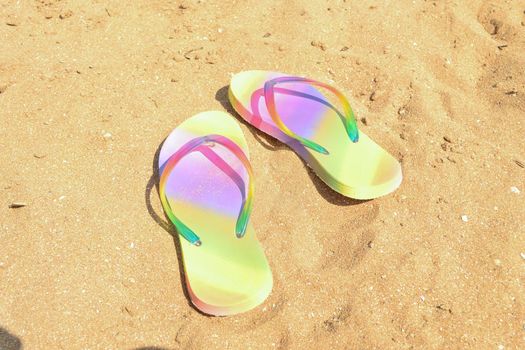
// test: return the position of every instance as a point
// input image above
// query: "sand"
(89, 90)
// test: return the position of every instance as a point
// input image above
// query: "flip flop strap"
(349, 119)
(187, 148)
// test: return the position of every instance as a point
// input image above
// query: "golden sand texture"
(89, 89)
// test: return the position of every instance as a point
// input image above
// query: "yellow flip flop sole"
(294, 111)
(206, 188)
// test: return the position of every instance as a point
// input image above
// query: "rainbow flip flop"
(294, 111)
(206, 190)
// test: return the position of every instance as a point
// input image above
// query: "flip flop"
(206, 190)
(294, 111)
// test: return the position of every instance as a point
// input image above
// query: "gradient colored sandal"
(294, 111)
(206, 190)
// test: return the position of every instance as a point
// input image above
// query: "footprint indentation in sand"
(494, 18)
(350, 249)
(504, 82)
(333, 323)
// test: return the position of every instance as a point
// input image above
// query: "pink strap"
(269, 96)
(190, 146)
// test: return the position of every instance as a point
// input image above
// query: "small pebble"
(211, 59)
(267, 35)
(66, 14)
(372, 96)
(193, 54)
(178, 58)
(402, 111)
(107, 135)
(15, 205)
(364, 121)
(497, 262)
(318, 44)
(514, 189)
(522, 256)
(464, 218)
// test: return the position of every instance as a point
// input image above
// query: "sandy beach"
(90, 89)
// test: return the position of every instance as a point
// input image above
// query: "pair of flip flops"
(206, 180)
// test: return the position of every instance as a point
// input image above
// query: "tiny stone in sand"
(319, 44)
(15, 205)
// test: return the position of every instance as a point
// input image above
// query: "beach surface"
(90, 89)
